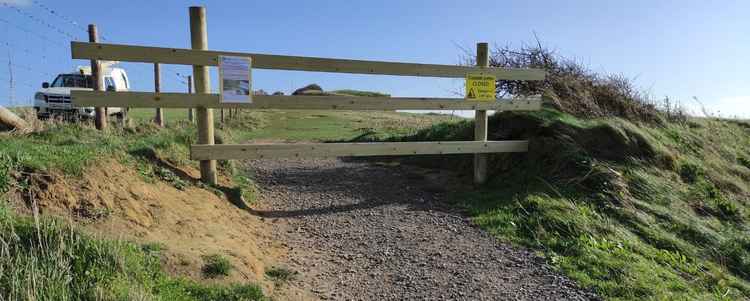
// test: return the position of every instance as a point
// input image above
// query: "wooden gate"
(204, 101)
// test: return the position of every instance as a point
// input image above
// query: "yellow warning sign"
(480, 87)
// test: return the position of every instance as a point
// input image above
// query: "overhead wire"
(63, 35)
(41, 21)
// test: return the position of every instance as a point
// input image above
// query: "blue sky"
(679, 49)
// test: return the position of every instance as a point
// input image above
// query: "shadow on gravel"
(357, 185)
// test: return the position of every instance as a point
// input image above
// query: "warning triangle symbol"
(471, 93)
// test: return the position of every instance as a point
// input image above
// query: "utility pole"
(11, 82)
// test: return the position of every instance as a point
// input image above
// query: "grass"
(215, 266)
(295, 126)
(71, 148)
(51, 260)
(170, 115)
(308, 125)
(281, 274)
(631, 211)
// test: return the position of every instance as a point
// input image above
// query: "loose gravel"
(364, 231)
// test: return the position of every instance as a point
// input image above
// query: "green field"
(277, 125)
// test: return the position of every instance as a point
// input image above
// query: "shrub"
(307, 89)
(574, 88)
(215, 266)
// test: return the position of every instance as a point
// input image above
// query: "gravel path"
(362, 231)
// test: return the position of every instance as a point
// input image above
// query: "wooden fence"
(204, 101)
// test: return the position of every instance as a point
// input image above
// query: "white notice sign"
(235, 79)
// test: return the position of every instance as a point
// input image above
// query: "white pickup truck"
(54, 99)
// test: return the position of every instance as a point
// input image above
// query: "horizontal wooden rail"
(181, 100)
(145, 54)
(310, 150)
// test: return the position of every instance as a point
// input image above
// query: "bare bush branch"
(572, 87)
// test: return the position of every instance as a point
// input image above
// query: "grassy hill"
(626, 195)
(633, 210)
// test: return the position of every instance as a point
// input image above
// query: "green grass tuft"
(215, 266)
(281, 274)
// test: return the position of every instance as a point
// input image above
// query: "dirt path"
(361, 231)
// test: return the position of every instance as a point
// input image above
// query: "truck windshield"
(73, 81)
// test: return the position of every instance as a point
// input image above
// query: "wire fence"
(53, 31)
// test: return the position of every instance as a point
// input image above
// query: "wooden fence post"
(199, 40)
(127, 122)
(159, 118)
(480, 122)
(10, 120)
(190, 91)
(100, 113)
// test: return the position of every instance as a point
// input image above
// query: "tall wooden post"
(159, 118)
(190, 91)
(480, 122)
(97, 77)
(199, 40)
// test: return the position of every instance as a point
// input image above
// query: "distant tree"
(309, 89)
